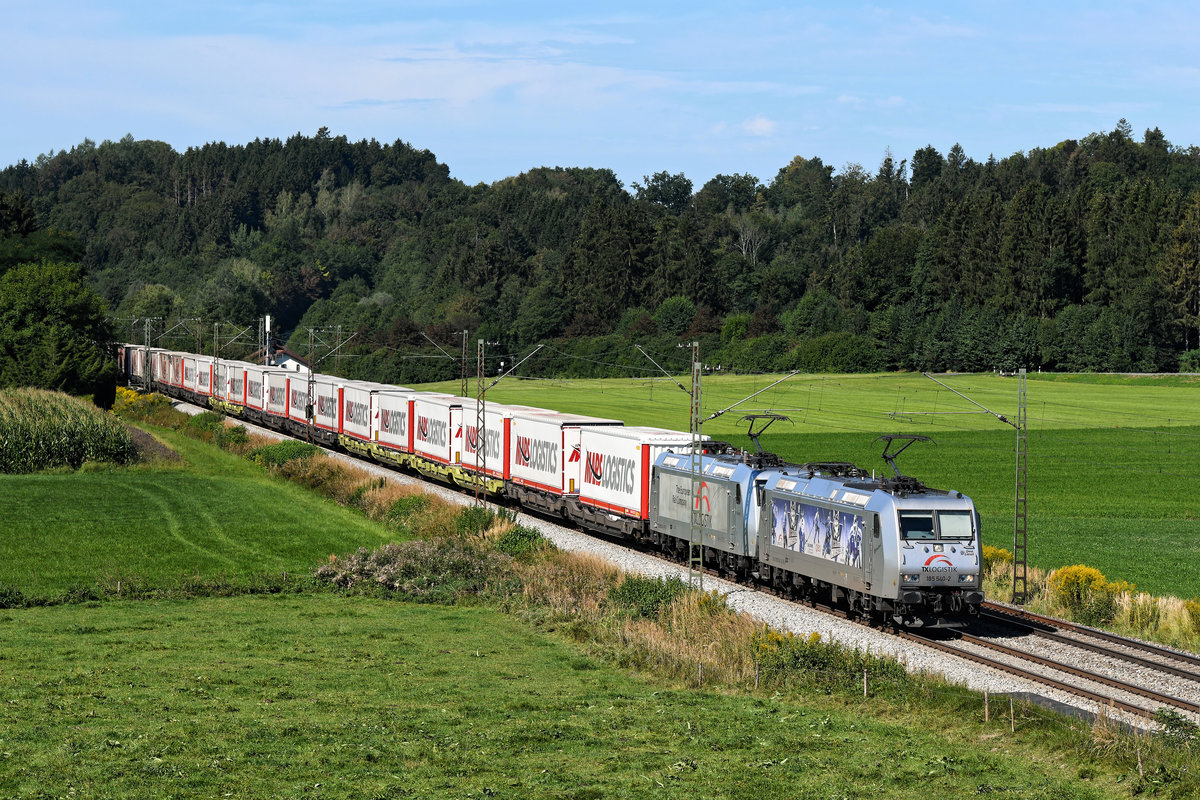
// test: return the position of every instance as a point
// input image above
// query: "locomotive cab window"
(916, 525)
(954, 524)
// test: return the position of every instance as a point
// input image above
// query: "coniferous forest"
(1080, 256)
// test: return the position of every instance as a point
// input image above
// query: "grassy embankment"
(210, 517)
(350, 696)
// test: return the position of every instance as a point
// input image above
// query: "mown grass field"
(1113, 462)
(212, 514)
(326, 696)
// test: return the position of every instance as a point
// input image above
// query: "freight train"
(890, 549)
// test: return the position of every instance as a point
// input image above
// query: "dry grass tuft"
(1166, 619)
(1108, 733)
(493, 532)
(254, 441)
(434, 520)
(325, 475)
(379, 500)
(697, 629)
(570, 583)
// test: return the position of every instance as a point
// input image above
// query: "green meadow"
(236, 686)
(211, 514)
(1113, 462)
(316, 695)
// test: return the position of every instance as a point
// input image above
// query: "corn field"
(42, 430)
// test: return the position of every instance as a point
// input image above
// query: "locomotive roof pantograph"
(901, 484)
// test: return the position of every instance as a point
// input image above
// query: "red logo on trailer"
(535, 454)
(594, 473)
(609, 472)
(392, 421)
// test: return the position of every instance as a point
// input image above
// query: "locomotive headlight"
(966, 578)
(911, 578)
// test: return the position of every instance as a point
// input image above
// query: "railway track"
(1059, 674)
(1152, 656)
(1071, 679)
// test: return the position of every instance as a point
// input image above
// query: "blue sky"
(494, 89)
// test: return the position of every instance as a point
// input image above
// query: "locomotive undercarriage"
(920, 608)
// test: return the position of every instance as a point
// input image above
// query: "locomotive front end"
(937, 558)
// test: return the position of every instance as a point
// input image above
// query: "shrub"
(475, 520)
(210, 426)
(231, 437)
(1189, 361)
(712, 603)
(1073, 586)
(442, 571)
(519, 541)
(1174, 728)
(154, 408)
(995, 557)
(1085, 593)
(783, 655)
(206, 422)
(837, 352)
(11, 597)
(406, 507)
(278, 454)
(644, 597)
(675, 315)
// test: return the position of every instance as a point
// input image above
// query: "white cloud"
(759, 126)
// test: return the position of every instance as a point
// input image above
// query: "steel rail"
(1080, 672)
(1158, 650)
(1069, 688)
(1094, 647)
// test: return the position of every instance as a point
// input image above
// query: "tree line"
(1084, 255)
